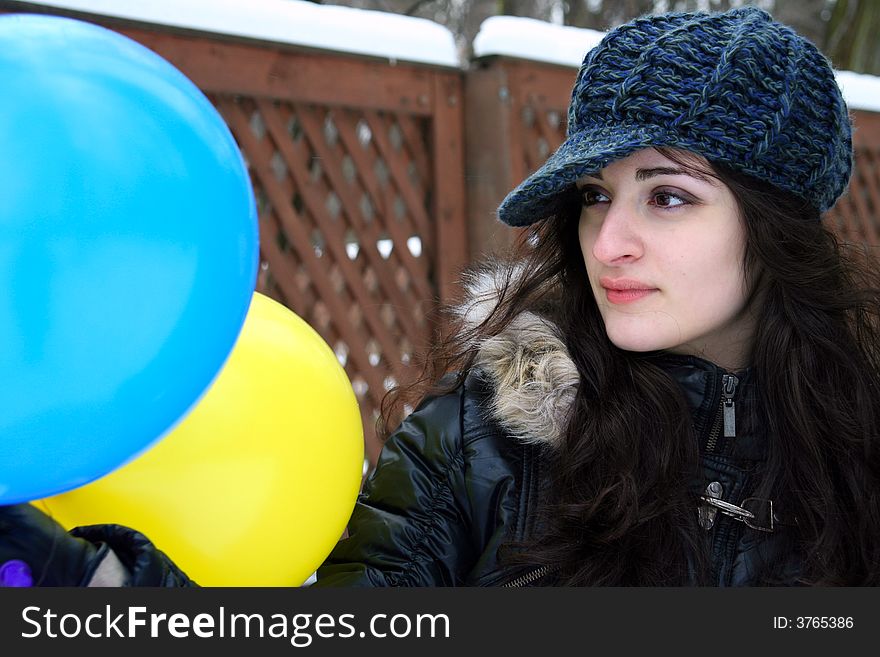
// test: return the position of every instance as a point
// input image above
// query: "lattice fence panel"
(343, 196)
(543, 131)
(856, 217)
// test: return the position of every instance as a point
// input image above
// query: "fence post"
(449, 194)
(490, 163)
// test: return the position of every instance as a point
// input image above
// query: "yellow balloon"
(256, 484)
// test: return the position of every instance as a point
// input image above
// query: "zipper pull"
(728, 389)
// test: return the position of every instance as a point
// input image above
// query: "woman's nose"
(618, 240)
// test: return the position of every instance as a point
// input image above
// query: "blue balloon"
(128, 251)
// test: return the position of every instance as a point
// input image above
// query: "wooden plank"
(430, 293)
(849, 220)
(229, 64)
(858, 201)
(335, 242)
(866, 141)
(416, 267)
(532, 155)
(397, 231)
(410, 194)
(866, 131)
(346, 124)
(414, 143)
(845, 223)
(449, 196)
(552, 136)
(866, 168)
(488, 158)
(519, 165)
(279, 264)
(544, 86)
(333, 169)
(298, 76)
(259, 161)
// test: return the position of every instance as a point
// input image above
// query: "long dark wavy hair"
(620, 511)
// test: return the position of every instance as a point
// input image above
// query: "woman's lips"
(626, 296)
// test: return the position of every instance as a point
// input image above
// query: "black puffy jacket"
(466, 471)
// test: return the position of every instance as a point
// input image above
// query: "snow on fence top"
(375, 33)
(387, 35)
(527, 38)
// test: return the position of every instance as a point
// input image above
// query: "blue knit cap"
(736, 87)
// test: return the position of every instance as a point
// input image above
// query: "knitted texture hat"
(736, 87)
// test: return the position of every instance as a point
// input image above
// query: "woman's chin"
(640, 347)
(640, 341)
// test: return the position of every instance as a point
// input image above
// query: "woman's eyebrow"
(644, 174)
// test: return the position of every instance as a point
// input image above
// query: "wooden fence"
(377, 182)
(354, 164)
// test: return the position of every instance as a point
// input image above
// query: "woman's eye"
(593, 196)
(669, 200)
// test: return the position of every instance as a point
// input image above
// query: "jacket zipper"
(528, 578)
(726, 415)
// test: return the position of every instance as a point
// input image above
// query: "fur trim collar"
(533, 375)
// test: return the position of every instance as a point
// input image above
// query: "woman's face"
(664, 253)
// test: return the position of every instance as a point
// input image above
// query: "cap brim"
(584, 152)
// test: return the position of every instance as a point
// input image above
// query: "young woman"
(678, 384)
(675, 379)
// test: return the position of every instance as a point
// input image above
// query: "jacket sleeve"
(411, 523)
(42, 553)
(132, 559)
